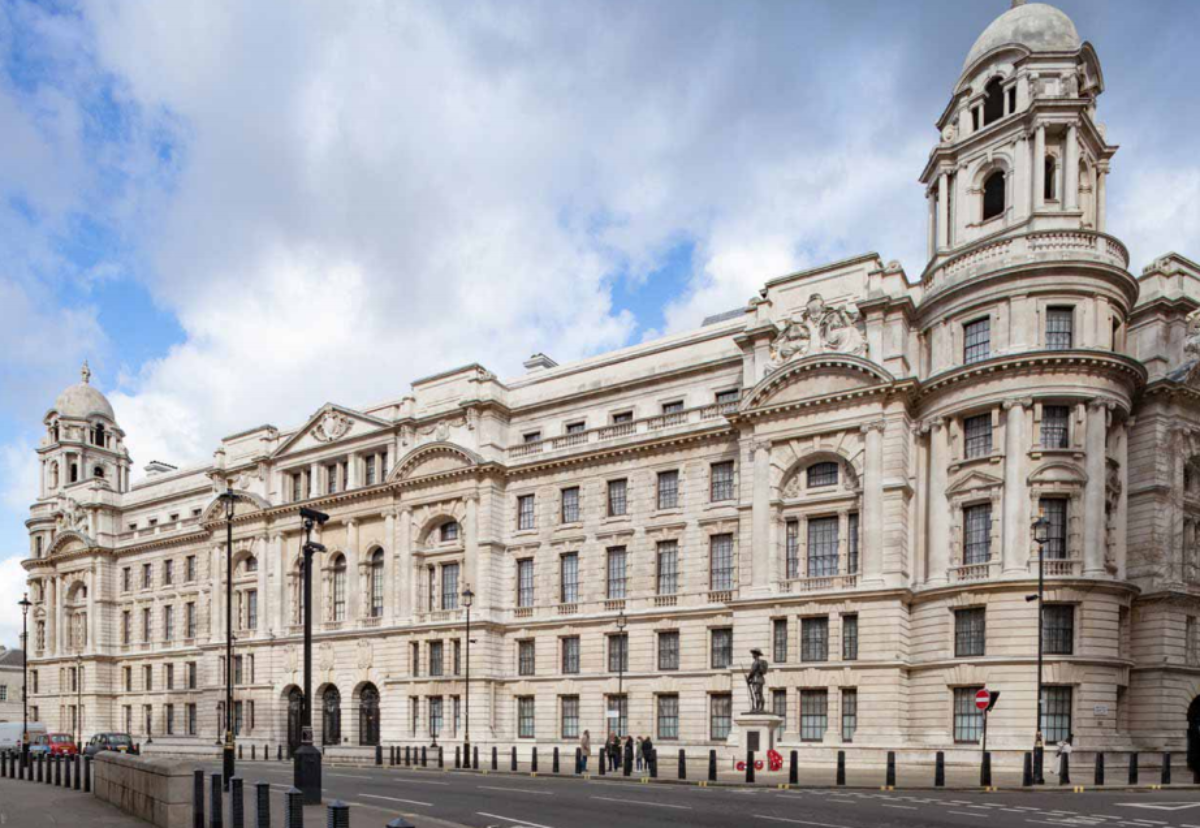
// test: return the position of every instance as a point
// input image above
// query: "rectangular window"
(577, 427)
(720, 716)
(147, 576)
(331, 478)
(1058, 629)
(731, 395)
(814, 639)
(168, 623)
(617, 498)
(668, 567)
(618, 653)
(977, 435)
(369, 470)
(852, 557)
(191, 675)
(437, 664)
(721, 481)
(849, 638)
(720, 561)
(530, 437)
(849, 713)
(822, 547)
(792, 549)
(525, 726)
(146, 628)
(780, 639)
(668, 717)
(977, 340)
(568, 588)
(814, 715)
(525, 517)
(252, 609)
(126, 624)
(570, 505)
(668, 489)
(191, 719)
(779, 704)
(622, 417)
(126, 579)
(722, 648)
(570, 655)
(968, 719)
(191, 567)
(668, 650)
(570, 717)
(435, 716)
(525, 658)
(1054, 509)
(618, 714)
(616, 573)
(169, 719)
(189, 619)
(1056, 426)
(970, 632)
(525, 583)
(169, 673)
(457, 656)
(168, 573)
(450, 586)
(147, 678)
(822, 474)
(977, 534)
(674, 407)
(297, 486)
(1060, 329)
(1056, 714)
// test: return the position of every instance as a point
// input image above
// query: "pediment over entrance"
(70, 541)
(434, 458)
(330, 424)
(814, 377)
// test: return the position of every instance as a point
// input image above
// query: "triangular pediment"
(330, 424)
(974, 480)
(816, 377)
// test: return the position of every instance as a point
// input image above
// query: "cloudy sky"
(238, 211)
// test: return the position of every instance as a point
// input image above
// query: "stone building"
(843, 472)
(10, 685)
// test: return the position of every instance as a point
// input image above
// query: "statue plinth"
(754, 731)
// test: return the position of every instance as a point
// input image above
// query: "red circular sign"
(982, 699)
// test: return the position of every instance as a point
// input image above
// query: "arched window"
(822, 474)
(295, 713)
(993, 195)
(98, 472)
(376, 585)
(331, 717)
(251, 564)
(74, 472)
(449, 531)
(98, 434)
(368, 716)
(993, 101)
(1050, 185)
(339, 588)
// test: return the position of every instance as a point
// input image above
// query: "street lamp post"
(79, 701)
(306, 774)
(1041, 534)
(230, 500)
(468, 598)
(24, 604)
(621, 668)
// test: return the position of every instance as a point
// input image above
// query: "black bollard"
(457, 758)
(293, 811)
(408, 755)
(279, 753)
(1133, 768)
(39, 768)
(3, 766)
(1099, 781)
(424, 757)
(939, 770)
(216, 806)
(441, 756)
(1166, 768)
(1039, 765)
(841, 768)
(749, 767)
(627, 765)
(338, 815)
(985, 770)
(712, 766)
(262, 801)
(78, 771)
(253, 752)
(198, 799)
(1027, 774)
(1064, 774)
(240, 752)
(67, 760)
(891, 769)
(794, 768)
(533, 760)
(475, 756)
(654, 763)
(514, 758)
(554, 763)
(87, 774)
(495, 758)
(578, 761)
(237, 804)
(603, 760)
(57, 770)
(682, 764)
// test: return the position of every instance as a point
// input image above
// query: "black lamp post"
(621, 667)
(1041, 534)
(306, 770)
(24, 604)
(468, 598)
(79, 701)
(230, 500)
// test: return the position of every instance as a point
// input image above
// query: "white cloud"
(12, 587)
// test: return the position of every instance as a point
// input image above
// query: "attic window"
(1050, 172)
(993, 195)
(577, 427)
(531, 436)
(993, 102)
(98, 472)
(196, 512)
(623, 417)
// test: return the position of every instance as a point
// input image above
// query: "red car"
(62, 744)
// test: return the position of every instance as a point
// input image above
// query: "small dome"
(1036, 26)
(82, 400)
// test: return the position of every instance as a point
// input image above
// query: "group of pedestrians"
(637, 752)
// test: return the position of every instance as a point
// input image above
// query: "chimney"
(539, 362)
(157, 467)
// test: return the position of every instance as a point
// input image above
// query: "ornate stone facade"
(843, 473)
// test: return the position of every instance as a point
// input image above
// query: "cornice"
(1119, 366)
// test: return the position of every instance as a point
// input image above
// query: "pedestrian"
(613, 749)
(1063, 752)
(585, 747)
(648, 750)
(638, 755)
(628, 754)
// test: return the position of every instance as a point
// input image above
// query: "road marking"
(417, 781)
(798, 821)
(969, 813)
(352, 776)
(511, 819)
(516, 790)
(394, 799)
(900, 807)
(643, 802)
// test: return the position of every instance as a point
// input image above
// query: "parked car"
(10, 735)
(53, 744)
(101, 742)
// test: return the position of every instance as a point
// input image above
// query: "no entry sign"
(983, 699)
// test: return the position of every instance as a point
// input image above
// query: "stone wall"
(156, 790)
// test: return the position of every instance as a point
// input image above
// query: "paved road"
(428, 797)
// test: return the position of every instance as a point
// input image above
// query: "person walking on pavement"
(628, 755)
(585, 748)
(1064, 751)
(648, 752)
(614, 751)
(638, 755)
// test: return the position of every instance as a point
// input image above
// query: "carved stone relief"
(819, 329)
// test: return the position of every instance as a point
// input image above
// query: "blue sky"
(208, 200)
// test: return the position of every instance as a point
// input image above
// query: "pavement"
(30, 804)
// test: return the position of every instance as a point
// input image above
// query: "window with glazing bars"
(1056, 714)
(822, 474)
(721, 481)
(189, 619)
(437, 662)
(617, 503)
(525, 518)
(852, 556)
(620, 706)
(377, 583)
(1060, 329)
(668, 489)
(779, 629)
(977, 340)
(720, 562)
(977, 435)
(731, 395)
(570, 655)
(814, 639)
(618, 653)
(668, 717)
(577, 427)
(1054, 509)
(570, 505)
(525, 583)
(720, 716)
(822, 547)
(339, 589)
(968, 719)
(1056, 429)
(570, 717)
(525, 656)
(779, 701)
(369, 471)
(450, 587)
(849, 713)
(1058, 629)
(449, 531)
(525, 728)
(792, 549)
(849, 638)
(977, 534)
(970, 632)
(722, 648)
(668, 651)
(616, 573)
(814, 715)
(569, 578)
(668, 567)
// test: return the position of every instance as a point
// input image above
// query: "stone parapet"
(156, 790)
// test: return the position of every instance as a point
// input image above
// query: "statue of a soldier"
(756, 679)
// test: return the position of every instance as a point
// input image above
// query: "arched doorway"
(368, 716)
(331, 716)
(295, 713)
(1193, 734)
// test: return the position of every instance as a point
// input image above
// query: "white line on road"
(394, 799)
(352, 776)
(516, 790)
(512, 819)
(969, 813)
(900, 807)
(417, 781)
(643, 802)
(799, 821)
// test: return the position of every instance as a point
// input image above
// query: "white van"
(10, 735)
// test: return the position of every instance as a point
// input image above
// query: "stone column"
(216, 600)
(1015, 555)
(353, 570)
(391, 601)
(939, 506)
(1094, 522)
(92, 626)
(871, 550)
(279, 620)
(1122, 550)
(470, 542)
(1101, 199)
(262, 551)
(1039, 167)
(51, 595)
(404, 566)
(931, 231)
(761, 515)
(943, 211)
(1071, 170)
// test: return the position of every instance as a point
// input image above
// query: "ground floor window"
(525, 726)
(814, 715)
(618, 714)
(849, 713)
(1056, 714)
(779, 702)
(191, 720)
(169, 717)
(968, 719)
(435, 716)
(721, 716)
(668, 717)
(570, 717)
